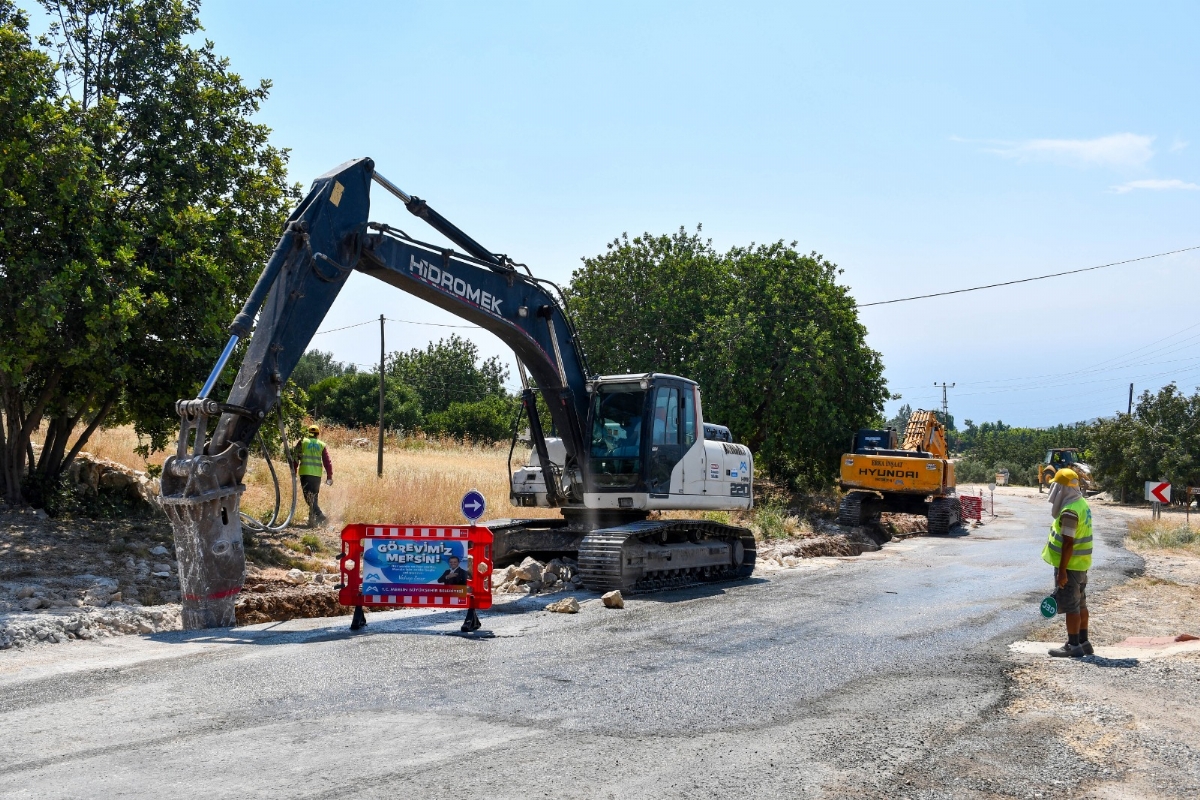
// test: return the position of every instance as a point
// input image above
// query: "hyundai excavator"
(916, 477)
(620, 446)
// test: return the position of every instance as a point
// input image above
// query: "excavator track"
(654, 555)
(944, 514)
(850, 509)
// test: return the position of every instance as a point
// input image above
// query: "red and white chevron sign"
(1158, 490)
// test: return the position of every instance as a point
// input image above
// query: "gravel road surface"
(876, 676)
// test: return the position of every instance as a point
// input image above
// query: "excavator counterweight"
(915, 477)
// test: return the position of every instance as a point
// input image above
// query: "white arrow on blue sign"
(473, 505)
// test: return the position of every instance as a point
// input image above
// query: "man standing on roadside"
(314, 456)
(1069, 551)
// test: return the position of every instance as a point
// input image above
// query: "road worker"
(1069, 551)
(313, 455)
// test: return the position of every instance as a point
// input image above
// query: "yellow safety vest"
(310, 457)
(1081, 554)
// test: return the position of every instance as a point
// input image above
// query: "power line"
(431, 324)
(346, 328)
(1098, 366)
(1026, 280)
(389, 319)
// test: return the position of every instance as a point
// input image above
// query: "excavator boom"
(327, 237)
(610, 478)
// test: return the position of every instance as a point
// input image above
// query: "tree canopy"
(352, 399)
(771, 337)
(448, 371)
(315, 366)
(140, 200)
(1160, 440)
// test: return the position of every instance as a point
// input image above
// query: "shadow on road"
(427, 624)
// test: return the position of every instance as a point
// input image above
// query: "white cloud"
(1116, 150)
(1155, 184)
(1178, 145)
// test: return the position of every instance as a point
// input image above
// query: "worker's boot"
(1067, 650)
(1088, 650)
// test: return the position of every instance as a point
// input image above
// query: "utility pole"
(945, 402)
(379, 464)
(1130, 411)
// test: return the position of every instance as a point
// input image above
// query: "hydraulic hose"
(274, 526)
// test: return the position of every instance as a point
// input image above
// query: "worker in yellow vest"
(1069, 551)
(312, 456)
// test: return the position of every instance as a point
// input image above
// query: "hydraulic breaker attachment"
(201, 496)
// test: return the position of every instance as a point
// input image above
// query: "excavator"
(619, 448)
(916, 477)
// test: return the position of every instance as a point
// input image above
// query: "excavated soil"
(275, 599)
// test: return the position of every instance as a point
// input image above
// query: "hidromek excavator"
(624, 445)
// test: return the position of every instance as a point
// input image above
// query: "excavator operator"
(313, 456)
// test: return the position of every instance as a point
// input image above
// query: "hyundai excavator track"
(653, 555)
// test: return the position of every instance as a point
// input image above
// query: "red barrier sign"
(416, 565)
(972, 507)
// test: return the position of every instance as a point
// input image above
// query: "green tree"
(900, 421)
(448, 371)
(353, 400)
(51, 187)
(488, 420)
(184, 197)
(315, 366)
(1159, 441)
(772, 339)
(639, 304)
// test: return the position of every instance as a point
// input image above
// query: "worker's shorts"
(1072, 598)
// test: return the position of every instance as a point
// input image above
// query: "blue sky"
(919, 146)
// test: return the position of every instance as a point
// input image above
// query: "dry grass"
(423, 479)
(1164, 534)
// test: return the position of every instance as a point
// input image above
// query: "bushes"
(488, 420)
(353, 400)
(973, 469)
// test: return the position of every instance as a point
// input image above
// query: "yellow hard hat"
(1067, 477)
(316, 431)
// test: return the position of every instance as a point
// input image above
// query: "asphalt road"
(881, 675)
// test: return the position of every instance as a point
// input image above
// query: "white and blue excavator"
(620, 446)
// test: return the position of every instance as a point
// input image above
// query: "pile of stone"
(23, 630)
(92, 475)
(533, 577)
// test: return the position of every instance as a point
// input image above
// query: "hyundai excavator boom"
(623, 446)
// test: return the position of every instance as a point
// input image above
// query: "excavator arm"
(327, 237)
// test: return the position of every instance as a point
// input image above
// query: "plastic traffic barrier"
(972, 507)
(406, 566)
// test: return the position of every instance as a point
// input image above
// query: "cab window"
(666, 416)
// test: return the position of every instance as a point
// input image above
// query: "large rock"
(530, 570)
(24, 592)
(568, 605)
(613, 599)
(98, 596)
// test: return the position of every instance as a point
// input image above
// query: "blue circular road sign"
(473, 506)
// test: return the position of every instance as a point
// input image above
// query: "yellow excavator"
(916, 477)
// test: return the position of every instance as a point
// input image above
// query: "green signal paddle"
(1049, 607)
